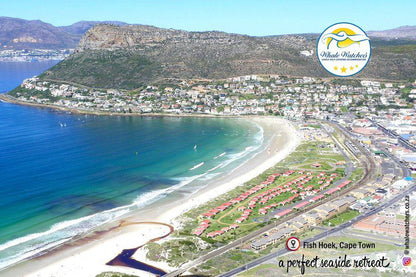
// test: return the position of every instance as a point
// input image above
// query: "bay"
(63, 174)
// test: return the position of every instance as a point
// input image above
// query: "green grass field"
(341, 218)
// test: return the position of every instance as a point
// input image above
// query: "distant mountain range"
(34, 34)
(403, 32)
(116, 55)
(19, 34)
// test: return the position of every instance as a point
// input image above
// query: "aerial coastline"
(280, 138)
(206, 144)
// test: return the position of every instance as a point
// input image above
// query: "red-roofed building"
(331, 191)
(301, 205)
(283, 213)
(208, 215)
(198, 232)
(211, 235)
(377, 197)
(225, 229)
(316, 198)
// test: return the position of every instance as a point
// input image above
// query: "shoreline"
(4, 97)
(73, 258)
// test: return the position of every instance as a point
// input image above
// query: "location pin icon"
(293, 242)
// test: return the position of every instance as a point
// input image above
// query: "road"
(368, 165)
(376, 237)
(393, 134)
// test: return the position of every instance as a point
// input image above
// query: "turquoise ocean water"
(63, 174)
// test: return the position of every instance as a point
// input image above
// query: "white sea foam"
(220, 155)
(28, 253)
(259, 139)
(54, 228)
(196, 166)
(59, 233)
(215, 167)
(64, 231)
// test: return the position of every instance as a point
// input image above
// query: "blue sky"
(256, 17)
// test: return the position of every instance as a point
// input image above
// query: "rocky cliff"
(129, 56)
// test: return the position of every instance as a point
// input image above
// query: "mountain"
(130, 56)
(79, 28)
(34, 34)
(403, 32)
(28, 34)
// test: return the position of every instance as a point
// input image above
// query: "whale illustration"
(343, 36)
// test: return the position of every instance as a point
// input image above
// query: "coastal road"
(368, 165)
(376, 237)
(404, 142)
(321, 235)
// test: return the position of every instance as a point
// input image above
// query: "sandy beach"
(88, 256)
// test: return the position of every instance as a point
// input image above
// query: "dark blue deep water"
(62, 174)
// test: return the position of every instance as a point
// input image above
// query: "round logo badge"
(343, 49)
(293, 243)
